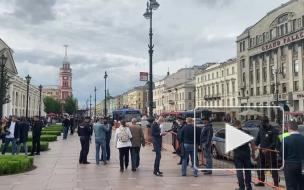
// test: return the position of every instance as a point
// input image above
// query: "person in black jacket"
(267, 140)
(36, 133)
(157, 134)
(110, 123)
(293, 157)
(24, 127)
(205, 141)
(66, 125)
(11, 135)
(85, 133)
(190, 149)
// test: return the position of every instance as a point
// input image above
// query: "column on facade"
(290, 69)
(301, 87)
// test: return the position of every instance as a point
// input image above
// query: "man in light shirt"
(12, 135)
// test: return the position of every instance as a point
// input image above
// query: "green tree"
(4, 85)
(70, 105)
(51, 105)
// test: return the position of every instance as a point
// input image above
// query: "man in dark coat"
(36, 133)
(24, 127)
(157, 134)
(110, 123)
(205, 141)
(66, 124)
(85, 132)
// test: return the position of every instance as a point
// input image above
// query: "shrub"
(48, 138)
(53, 128)
(15, 164)
(57, 133)
(44, 146)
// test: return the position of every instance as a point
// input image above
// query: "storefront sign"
(284, 41)
(143, 76)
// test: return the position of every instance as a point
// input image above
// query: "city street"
(58, 169)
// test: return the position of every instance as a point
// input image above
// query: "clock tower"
(65, 78)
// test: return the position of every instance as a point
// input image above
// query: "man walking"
(137, 141)
(100, 130)
(36, 133)
(157, 134)
(206, 139)
(84, 133)
(242, 161)
(12, 135)
(66, 125)
(294, 155)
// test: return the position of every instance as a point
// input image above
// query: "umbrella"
(250, 112)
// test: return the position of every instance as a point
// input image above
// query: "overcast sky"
(112, 35)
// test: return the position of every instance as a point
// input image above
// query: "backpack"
(123, 135)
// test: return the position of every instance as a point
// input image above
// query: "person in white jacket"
(122, 140)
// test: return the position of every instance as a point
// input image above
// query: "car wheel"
(214, 152)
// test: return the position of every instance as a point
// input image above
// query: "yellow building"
(136, 99)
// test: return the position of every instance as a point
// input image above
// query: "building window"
(233, 86)
(233, 70)
(265, 90)
(251, 77)
(272, 72)
(251, 91)
(217, 89)
(233, 101)
(296, 68)
(189, 96)
(244, 78)
(228, 102)
(243, 63)
(272, 89)
(284, 88)
(213, 90)
(264, 74)
(212, 75)
(228, 88)
(227, 71)
(284, 70)
(257, 75)
(258, 91)
(296, 85)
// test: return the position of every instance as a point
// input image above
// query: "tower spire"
(66, 50)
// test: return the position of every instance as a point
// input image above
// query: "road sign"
(143, 76)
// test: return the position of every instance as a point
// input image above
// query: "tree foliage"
(70, 105)
(4, 86)
(51, 105)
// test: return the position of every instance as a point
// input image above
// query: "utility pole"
(95, 103)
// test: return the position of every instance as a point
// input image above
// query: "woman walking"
(123, 143)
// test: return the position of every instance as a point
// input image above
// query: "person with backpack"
(122, 140)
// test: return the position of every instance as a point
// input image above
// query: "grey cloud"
(215, 3)
(34, 11)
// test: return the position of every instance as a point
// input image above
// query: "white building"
(176, 91)
(273, 50)
(217, 85)
(17, 90)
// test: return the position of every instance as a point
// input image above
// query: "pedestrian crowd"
(15, 131)
(128, 139)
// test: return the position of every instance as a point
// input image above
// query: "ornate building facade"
(270, 59)
(17, 89)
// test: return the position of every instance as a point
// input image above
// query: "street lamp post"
(40, 100)
(151, 5)
(90, 106)
(28, 80)
(277, 72)
(95, 102)
(2, 86)
(105, 103)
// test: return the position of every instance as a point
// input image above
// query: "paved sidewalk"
(58, 169)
